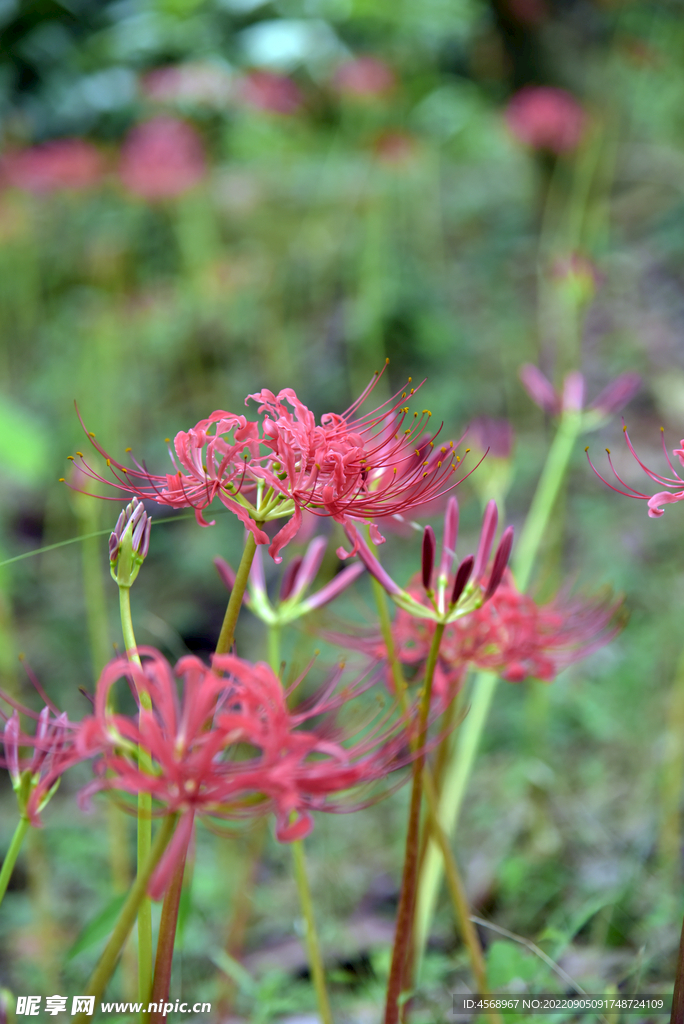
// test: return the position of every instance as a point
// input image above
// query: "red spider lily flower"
(509, 634)
(674, 483)
(364, 78)
(454, 596)
(546, 118)
(276, 94)
(162, 158)
(229, 747)
(349, 467)
(62, 165)
(199, 83)
(35, 777)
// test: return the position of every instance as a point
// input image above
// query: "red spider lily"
(674, 483)
(60, 165)
(229, 747)
(349, 467)
(454, 596)
(162, 158)
(35, 777)
(509, 634)
(546, 118)
(613, 397)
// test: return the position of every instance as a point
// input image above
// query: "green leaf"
(98, 928)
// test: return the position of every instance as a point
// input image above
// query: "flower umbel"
(349, 467)
(228, 747)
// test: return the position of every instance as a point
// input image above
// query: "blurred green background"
(200, 199)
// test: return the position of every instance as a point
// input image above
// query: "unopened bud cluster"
(129, 543)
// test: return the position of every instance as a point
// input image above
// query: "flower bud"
(463, 574)
(429, 545)
(129, 543)
(489, 523)
(449, 537)
(500, 562)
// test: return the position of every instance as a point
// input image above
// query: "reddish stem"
(677, 1015)
(165, 944)
(402, 938)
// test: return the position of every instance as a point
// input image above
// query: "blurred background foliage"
(201, 198)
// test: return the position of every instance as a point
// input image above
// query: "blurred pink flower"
(196, 82)
(544, 117)
(276, 94)
(230, 748)
(542, 392)
(35, 776)
(492, 435)
(57, 166)
(511, 635)
(162, 158)
(364, 78)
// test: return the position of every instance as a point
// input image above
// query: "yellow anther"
(80, 454)
(587, 448)
(61, 480)
(439, 464)
(624, 429)
(128, 449)
(466, 451)
(167, 440)
(608, 450)
(90, 434)
(410, 379)
(404, 395)
(70, 457)
(418, 452)
(108, 462)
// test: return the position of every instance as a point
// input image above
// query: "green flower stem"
(299, 861)
(144, 814)
(457, 773)
(553, 474)
(12, 854)
(129, 912)
(165, 943)
(312, 943)
(227, 634)
(405, 912)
